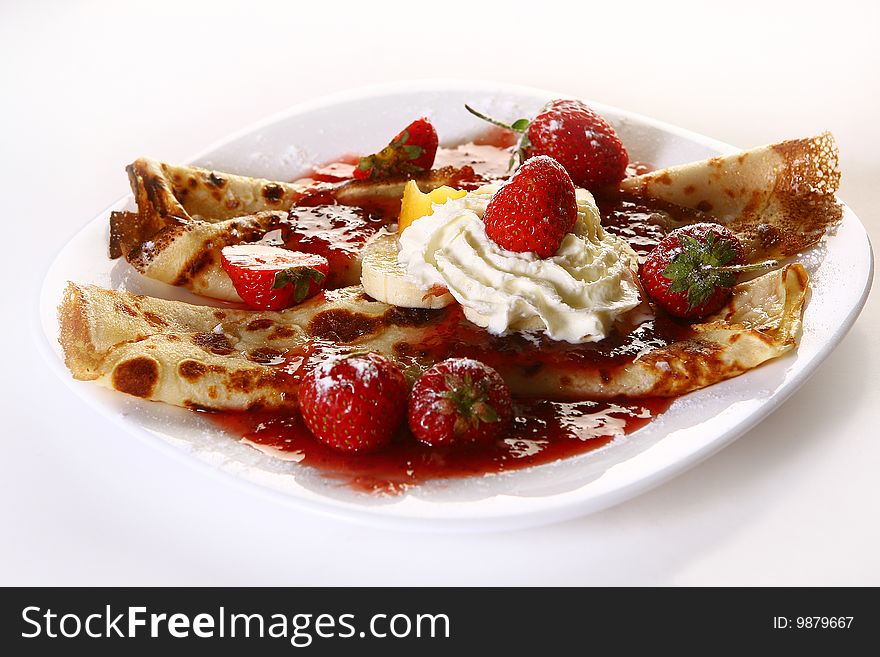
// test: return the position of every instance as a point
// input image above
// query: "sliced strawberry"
(411, 152)
(459, 401)
(272, 278)
(534, 210)
(354, 403)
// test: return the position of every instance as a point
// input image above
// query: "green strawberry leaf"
(461, 425)
(301, 279)
(520, 125)
(469, 402)
(484, 412)
(413, 152)
(400, 140)
(693, 269)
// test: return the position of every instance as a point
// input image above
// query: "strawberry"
(354, 403)
(576, 137)
(692, 271)
(272, 278)
(411, 151)
(459, 401)
(534, 210)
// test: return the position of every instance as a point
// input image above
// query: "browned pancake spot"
(695, 361)
(399, 316)
(259, 324)
(215, 181)
(123, 307)
(264, 355)
(137, 376)
(766, 338)
(154, 319)
(203, 259)
(195, 406)
(249, 380)
(342, 325)
(273, 193)
(216, 343)
(191, 370)
(282, 333)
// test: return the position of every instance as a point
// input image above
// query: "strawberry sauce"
(336, 232)
(544, 430)
(642, 222)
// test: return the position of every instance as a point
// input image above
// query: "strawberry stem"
(518, 126)
(735, 269)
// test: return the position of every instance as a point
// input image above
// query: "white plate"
(696, 426)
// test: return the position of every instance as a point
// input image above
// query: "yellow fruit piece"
(416, 204)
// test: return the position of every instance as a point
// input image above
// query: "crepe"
(778, 198)
(209, 358)
(186, 215)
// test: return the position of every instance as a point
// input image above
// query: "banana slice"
(384, 279)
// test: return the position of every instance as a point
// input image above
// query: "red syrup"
(337, 232)
(543, 431)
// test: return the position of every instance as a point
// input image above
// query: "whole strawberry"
(272, 278)
(459, 401)
(576, 137)
(412, 151)
(534, 210)
(692, 271)
(354, 403)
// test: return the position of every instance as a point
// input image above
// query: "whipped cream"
(573, 296)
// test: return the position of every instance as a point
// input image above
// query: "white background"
(88, 87)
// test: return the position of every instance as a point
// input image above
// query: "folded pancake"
(168, 195)
(186, 215)
(778, 198)
(202, 357)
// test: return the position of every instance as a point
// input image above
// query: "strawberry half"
(534, 210)
(272, 278)
(354, 403)
(412, 151)
(459, 401)
(692, 271)
(576, 137)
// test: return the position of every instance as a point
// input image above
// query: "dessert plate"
(695, 426)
